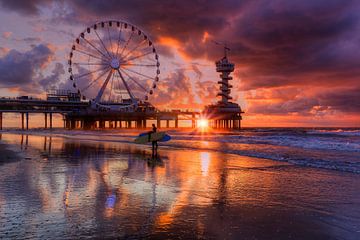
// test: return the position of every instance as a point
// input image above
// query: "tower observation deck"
(224, 114)
(225, 68)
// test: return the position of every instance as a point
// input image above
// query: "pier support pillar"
(167, 123)
(27, 121)
(101, 124)
(45, 120)
(1, 120)
(22, 121)
(193, 123)
(66, 123)
(158, 123)
(176, 122)
(72, 124)
(144, 123)
(51, 122)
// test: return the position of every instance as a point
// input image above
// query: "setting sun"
(203, 123)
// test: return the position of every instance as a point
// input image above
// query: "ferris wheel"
(114, 63)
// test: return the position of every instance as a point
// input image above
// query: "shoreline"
(201, 142)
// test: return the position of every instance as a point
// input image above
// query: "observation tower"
(224, 114)
(225, 67)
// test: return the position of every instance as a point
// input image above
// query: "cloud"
(7, 35)
(29, 7)
(53, 80)
(302, 101)
(24, 70)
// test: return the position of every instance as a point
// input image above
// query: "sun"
(203, 123)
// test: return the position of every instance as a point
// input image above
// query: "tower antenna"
(226, 48)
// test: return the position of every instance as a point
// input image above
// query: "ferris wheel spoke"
(91, 72)
(109, 39)
(88, 54)
(118, 41)
(102, 43)
(90, 64)
(141, 74)
(127, 42)
(136, 57)
(111, 86)
(126, 86)
(95, 80)
(132, 50)
(88, 42)
(136, 82)
(141, 65)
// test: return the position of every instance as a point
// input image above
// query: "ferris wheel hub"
(115, 63)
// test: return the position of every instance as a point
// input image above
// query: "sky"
(297, 62)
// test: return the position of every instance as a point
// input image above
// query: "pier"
(80, 115)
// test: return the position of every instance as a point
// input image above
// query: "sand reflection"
(77, 188)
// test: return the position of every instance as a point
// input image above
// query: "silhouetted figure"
(154, 143)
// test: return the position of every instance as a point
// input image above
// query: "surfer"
(154, 143)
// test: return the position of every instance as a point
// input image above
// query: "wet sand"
(68, 189)
(7, 155)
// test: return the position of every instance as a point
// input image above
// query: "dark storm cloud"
(274, 44)
(30, 7)
(343, 99)
(24, 70)
(17, 68)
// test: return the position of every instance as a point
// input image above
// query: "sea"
(328, 148)
(260, 183)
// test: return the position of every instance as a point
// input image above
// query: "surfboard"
(166, 138)
(144, 138)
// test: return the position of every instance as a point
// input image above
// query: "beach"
(265, 184)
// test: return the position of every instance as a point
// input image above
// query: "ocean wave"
(340, 132)
(299, 148)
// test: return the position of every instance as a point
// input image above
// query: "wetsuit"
(154, 143)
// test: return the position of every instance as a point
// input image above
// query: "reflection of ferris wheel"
(114, 63)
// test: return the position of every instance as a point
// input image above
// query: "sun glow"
(203, 123)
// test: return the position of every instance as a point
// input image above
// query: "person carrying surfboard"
(154, 143)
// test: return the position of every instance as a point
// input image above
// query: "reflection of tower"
(224, 67)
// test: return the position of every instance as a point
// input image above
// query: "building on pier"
(224, 114)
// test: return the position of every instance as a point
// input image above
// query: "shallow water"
(104, 187)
